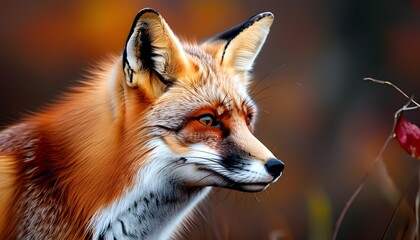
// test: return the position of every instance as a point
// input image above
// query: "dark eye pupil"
(206, 120)
(249, 118)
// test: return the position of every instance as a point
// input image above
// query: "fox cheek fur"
(129, 154)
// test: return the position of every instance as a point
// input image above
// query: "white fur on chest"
(152, 217)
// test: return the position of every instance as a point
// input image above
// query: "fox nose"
(274, 167)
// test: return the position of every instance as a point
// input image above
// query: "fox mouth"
(249, 187)
(235, 185)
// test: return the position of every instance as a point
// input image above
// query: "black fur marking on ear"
(230, 34)
(147, 50)
(128, 70)
(168, 83)
(133, 27)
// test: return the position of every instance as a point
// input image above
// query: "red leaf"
(408, 135)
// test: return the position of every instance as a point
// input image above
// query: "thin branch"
(391, 84)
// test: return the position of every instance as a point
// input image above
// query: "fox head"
(199, 117)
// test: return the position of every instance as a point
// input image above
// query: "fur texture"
(130, 153)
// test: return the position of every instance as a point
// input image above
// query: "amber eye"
(207, 120)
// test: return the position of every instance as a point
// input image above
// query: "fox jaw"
(196, 125)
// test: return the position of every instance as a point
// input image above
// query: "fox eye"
(207, 120)
(249, 118)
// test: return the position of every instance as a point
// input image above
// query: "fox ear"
(238, 47)
(153, 56)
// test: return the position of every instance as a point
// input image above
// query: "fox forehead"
(210, 87)
(214, 84)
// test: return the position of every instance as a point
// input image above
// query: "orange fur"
(60, 168)
(8, 192)
(82, 145)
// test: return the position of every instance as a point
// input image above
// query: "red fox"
(129, 154)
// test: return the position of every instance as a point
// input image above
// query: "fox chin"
(130, 153)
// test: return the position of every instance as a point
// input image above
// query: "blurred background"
(316, 112)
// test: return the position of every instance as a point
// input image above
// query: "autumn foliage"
(408, 135)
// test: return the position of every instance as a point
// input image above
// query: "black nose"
(274, 167)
